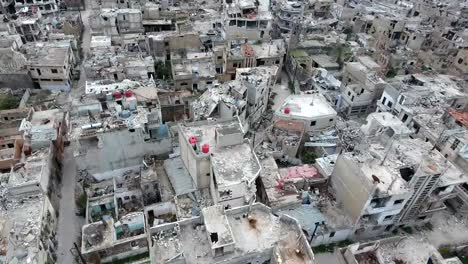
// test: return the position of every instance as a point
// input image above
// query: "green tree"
(163, 70)
(308, 157)
(392, 72)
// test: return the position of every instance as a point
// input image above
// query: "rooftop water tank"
(128, 93)
(192, 140)
(205, 148)
(117, 95)
(287, 110)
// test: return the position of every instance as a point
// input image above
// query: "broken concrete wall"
(339, 235)
(185, 41)
(7, 163)
(172, 113)
(351, 188)
(129, 22)
(233, 195)
(121, 251)
(119, 149)
(157, 47)
(151, 11)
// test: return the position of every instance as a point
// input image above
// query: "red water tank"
(128, 93)
(117, 95)
(287, 110)
(205, 148)
(192, 140)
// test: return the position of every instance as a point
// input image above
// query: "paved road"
(69, 225)
(282, 91)
(85, 43)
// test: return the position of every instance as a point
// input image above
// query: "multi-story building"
(420, 101)
(115, 219)
(192, 70)
(30, 203)
(247, 19)
(248, 55)
(214, 153)
(45, 7)
(312, 109)
(50, 65)
(116, 22)
(133, 114)
(117, 64)
(406, 180)
(361, 88)
(28, 25)
(288, 13)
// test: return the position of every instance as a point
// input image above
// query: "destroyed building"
(193, 144)
(30, 204)
(44, 7)
(247, 19)
(409, 187)
(249, 55)
(115, 219)
(246, 96)
(394, 249)
(117, 65)
(231, 236)
(287, 137)
(32, 224)
(420, 102)
(116, 22)
(13, 70)
(289, 12)
(192, 70)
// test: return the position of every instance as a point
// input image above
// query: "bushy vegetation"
(131, 259)
(81, 204)
(392, 72)
(9, 102)
(163, 70)
(323, 248)
(308, 157)
(449, 252)
(408, 229)
(331, 247)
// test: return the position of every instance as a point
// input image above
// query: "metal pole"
(79, 253)
(313, 234)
